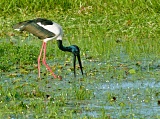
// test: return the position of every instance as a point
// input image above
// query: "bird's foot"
(39, 78)
(59, 77)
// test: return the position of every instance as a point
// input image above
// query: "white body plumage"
(54, 28)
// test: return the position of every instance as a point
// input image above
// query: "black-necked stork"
(47, 30)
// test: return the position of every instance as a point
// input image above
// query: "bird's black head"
(76, 53)
(74, 49)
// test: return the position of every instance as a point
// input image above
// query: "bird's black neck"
(63, 48)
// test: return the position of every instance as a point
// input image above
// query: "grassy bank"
(99, 28)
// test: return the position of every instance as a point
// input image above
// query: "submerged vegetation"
(119, 42)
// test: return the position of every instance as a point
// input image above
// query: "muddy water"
(133, 96)
(133, 99)
(115, 94)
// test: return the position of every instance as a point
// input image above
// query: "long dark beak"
(74, 63)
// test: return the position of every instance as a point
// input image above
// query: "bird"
(47, 30)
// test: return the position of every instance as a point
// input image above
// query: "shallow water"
(132, 94)
(114, 93)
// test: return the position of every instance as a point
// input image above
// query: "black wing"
(32, 27)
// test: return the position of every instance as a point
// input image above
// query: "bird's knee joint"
(44, 61)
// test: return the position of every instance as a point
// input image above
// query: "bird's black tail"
(21, 25)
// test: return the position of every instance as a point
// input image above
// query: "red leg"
(39, 58)
(44, 61)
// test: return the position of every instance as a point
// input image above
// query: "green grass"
(119, 40)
